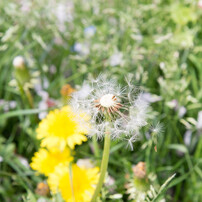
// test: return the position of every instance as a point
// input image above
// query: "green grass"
(171, 68)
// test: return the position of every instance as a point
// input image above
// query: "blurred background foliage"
(65, 42)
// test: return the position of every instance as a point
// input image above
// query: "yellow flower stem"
(71, 181)
(104, 165)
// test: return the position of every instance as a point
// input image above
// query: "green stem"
(105, 159)
(29, 97)
(96, 148)
(199, 147)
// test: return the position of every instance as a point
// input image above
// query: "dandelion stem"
(104, 165)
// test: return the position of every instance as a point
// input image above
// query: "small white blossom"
(161, 39)
(19, 62)
(120, 110)
(25, 6)
(116, 196)
(64, 13)
(89, 31)
(81, 48)
(151, 98)
(187, 137)
(45, 103)
(199, 121)
(85, 163)
(52, 69)
(41, 199)
(23, 161)
(182, 111)
(200, 3)
(7, 105)
(116, 59)
(1, 159)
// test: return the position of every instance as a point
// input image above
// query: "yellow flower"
(45, 161)
(83, 180)
(63, 127)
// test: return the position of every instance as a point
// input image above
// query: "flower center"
(108, 103)
(107, 100)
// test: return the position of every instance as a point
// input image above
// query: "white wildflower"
(163, 38)
(7, 105)
(64, 13)
(151, 98)
(85, 163)
(45, 103)
(89, 31)
(19, 62)
(41, 199)
(116, 59)
(120, 110)
(187, 137)
(1, 159)
(81, 48)
(182, 111)
(199, 121)
(25, 6)
(23, 161)
(52, 69)
(116, 196)
(200, 3)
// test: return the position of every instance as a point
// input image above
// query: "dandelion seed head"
(111, 106)
(107, 100)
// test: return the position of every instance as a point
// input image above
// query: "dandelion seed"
(157, 129)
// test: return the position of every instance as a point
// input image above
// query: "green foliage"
(159, 43)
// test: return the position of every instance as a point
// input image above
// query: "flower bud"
(139, 170)
(19, 62)
(42, 189)
(21, 72)
(66, 90)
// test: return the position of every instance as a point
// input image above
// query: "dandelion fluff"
(109, 105)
